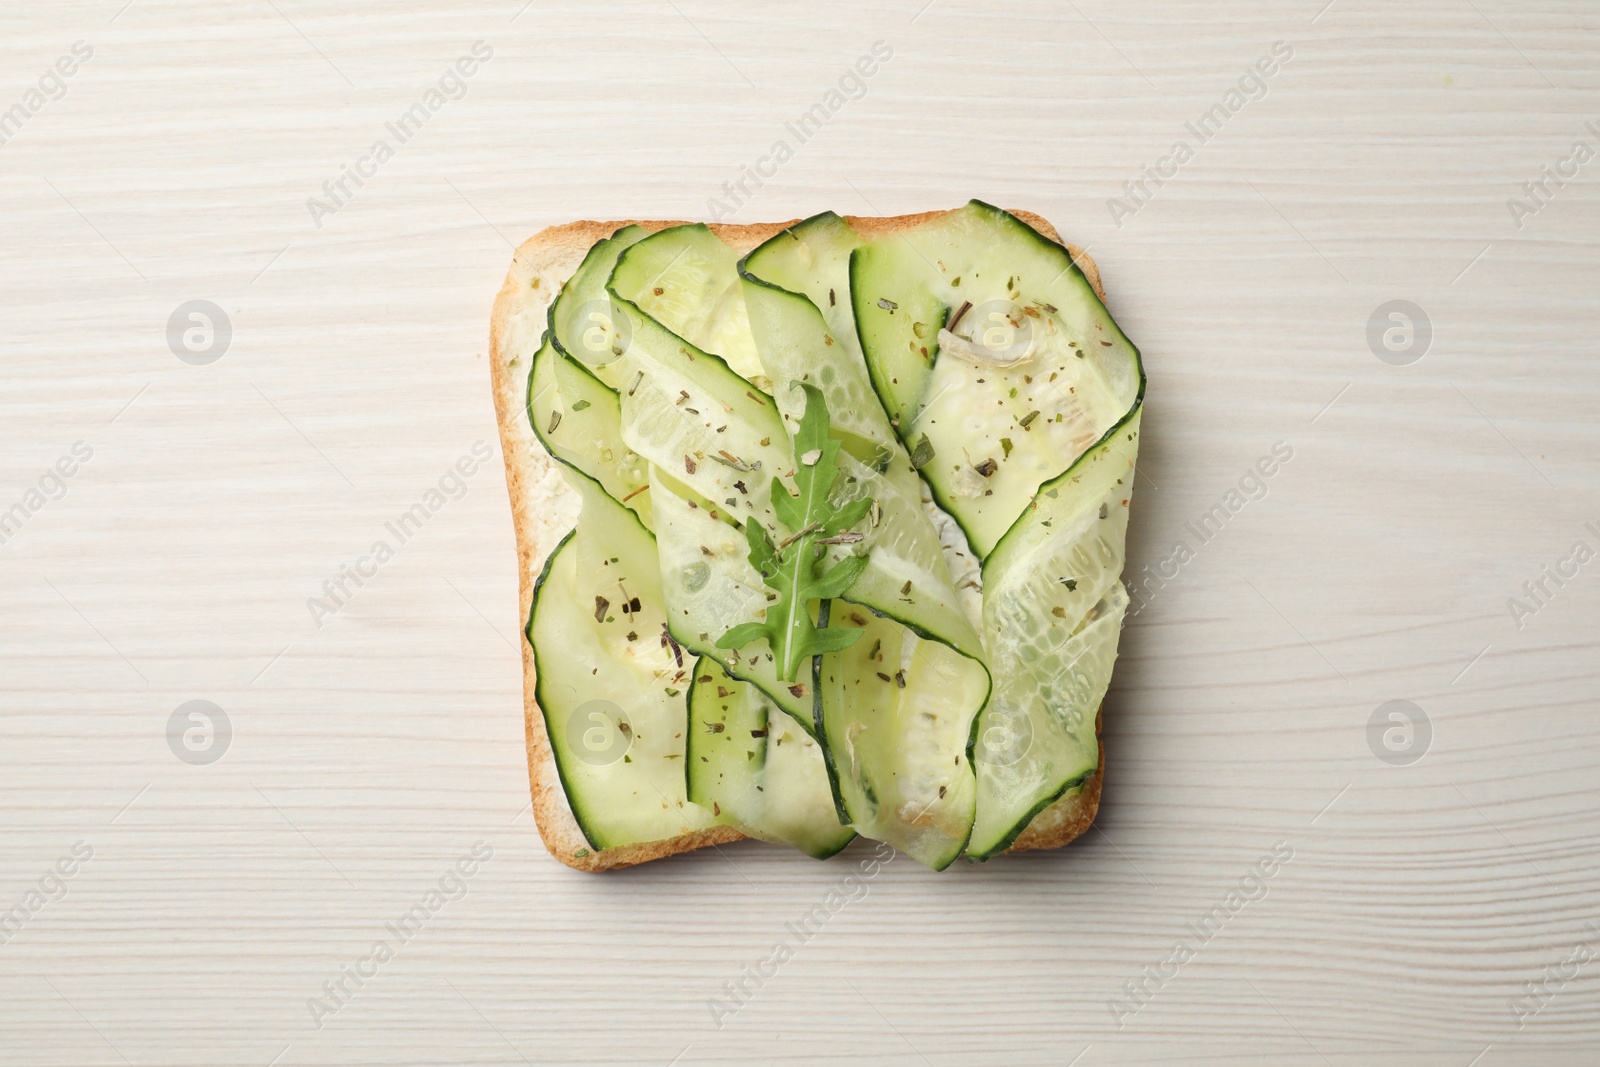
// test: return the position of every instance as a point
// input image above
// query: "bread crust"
(543, 510)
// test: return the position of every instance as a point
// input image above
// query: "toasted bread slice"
(543, 509)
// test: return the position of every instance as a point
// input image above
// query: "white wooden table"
(209, 903)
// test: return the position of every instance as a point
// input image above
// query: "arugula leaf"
(790, 567)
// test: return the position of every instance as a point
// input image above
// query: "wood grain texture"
(370, 753)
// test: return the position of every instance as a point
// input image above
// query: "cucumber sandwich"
(821, 530)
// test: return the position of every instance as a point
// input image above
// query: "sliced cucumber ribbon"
(609, 689)
(752, 766)
(583, 326)
(989, 435)
(579, 420)
(1053, 609)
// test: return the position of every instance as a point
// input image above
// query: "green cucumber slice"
(753, 767)
(900, 341)
(579, 422)
(907, 579)
(1035, 372)
(797, 284)
(684, 277)
(1053, 609)
(687, 412)
(896, 719)
(812, 258)
(610, 689)
(583, 325)
(797, 346)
